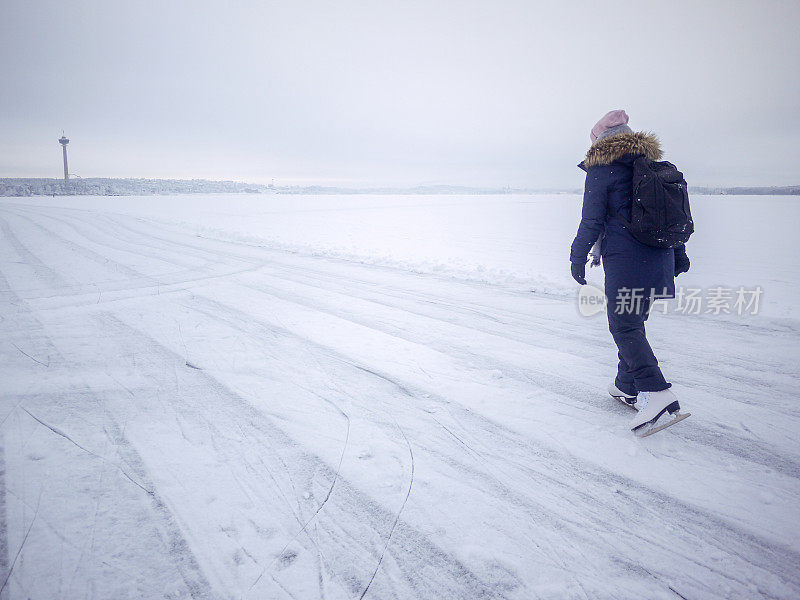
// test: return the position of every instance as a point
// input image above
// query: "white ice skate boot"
(626, 399)
(652, 405)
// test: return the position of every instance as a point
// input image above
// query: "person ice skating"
(635, 273)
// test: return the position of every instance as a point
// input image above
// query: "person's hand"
(579, 272)
(682, 263)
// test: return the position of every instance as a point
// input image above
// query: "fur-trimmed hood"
(607, 150)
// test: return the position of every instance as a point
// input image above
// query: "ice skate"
(626, 399)
(652, 405)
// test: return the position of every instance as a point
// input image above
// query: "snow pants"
(638, 369)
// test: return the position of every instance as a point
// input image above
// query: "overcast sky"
(402, 93)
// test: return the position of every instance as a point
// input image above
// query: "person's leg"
(637, 361)
(624, 380)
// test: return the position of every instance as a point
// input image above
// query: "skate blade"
(677, 417)
(625, 401)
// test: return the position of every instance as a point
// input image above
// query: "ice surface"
(380, 396)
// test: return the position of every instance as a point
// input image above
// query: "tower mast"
(64, 141)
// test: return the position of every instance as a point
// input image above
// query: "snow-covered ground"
(381, 397)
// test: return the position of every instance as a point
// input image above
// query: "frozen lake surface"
(382, 397)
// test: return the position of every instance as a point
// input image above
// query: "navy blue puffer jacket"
(627, 262)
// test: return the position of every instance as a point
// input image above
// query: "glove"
(682, 263)
(579, 272)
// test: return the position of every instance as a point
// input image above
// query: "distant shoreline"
(107, 186)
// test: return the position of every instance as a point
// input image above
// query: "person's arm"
(593, 214)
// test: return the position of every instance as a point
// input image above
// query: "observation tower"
(64, 141)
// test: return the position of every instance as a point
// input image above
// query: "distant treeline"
(106, 186)
(432, 190)
(786, 190)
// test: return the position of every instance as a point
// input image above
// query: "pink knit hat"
(611, 119)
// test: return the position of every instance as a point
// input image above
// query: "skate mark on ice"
(549, 381)
(458, 438)
(437, 573)
(132, 276)
(42, 272)
(219, 311)
(425, 306)
(735, 445)
(754, 450)
(396, 519)
(124, 227)
(696, 525)
(129, 274)
(172, 540)
(383, 376)
(57, 431)
(166, 250)
(83, 251)
(56, 531)
(731, 443)
(91, 541)
(176, 544)
(22, 544)
(747, 547)
(119, 243)
(322, 504)
(677, 593)
(29, 356)
(4, 558)
(25, 329)
(24, 324)
(553, 336)
(752, 547)
(297, 515)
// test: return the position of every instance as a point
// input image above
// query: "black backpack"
(660, 214)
